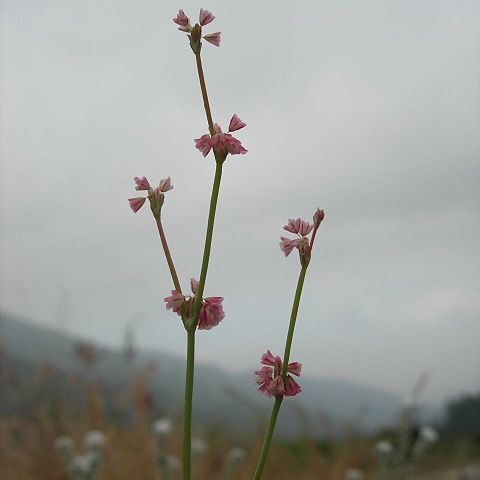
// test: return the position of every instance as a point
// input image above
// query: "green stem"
(168, 256)
(187, 419)
(191, 324)
(293, 319)
(278, 398)
(268, 438)
(208, 244)
(203, 88)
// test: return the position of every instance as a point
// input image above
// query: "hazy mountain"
(220, 396)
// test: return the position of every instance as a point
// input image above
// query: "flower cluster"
(155, 195)
(270, 380)
(222, 143)
(211, 310)
(204, 18)
(302, 229)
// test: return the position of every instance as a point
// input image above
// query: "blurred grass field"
(27, 444)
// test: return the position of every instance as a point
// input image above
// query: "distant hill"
(218, 393)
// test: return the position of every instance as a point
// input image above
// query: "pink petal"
(136, 203)
(204, 144)
(205, 17)
(235, 124)
(181, 19)
(292, 388)
(268, 359)
(165, 184)
(295, 368)
(287, 245)
(213, 38)
(141, 183)
(174, 302)
(194, 285)
(211, 313)
(263, 375)
(276, 387)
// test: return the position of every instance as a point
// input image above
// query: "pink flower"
(213, 38)
(165, 185)
(224, 143)
(295, 368)
(276, 387)
(292, 388)
(142, 183)
(136, 203)
(205, 17)
(287, 245)
(270, 380)
(175, 302)
(204, 144)
(299, 226)
(182, 20)
(211, 313)
(274, 361)
(211, 309)
(235, 124)
(264, 378)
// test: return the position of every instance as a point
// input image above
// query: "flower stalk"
(275, 379)
(279, 398)
(168, 255)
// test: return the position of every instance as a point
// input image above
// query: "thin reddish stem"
(168, 256)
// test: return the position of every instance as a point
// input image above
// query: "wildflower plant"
(275, 378)
(81, 466)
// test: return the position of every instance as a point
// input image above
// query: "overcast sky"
(370, 110)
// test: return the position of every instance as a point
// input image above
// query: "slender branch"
(293, 319)
(192, 324)
(268, 438)
(203, 87)
(208, 244)
(286, 356)
(168, 255)
(187, 419)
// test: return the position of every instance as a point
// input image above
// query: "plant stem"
(208, 243)
(203, 88)
(192, 324)
(293, 319)
(187, 419)
(278, 398)
(168, 256)
(268, 437)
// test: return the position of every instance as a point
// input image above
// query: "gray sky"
(370, 110)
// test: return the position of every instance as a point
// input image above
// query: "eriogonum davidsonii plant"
(275, 379)
(196, 311)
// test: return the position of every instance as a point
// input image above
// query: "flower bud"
(195, 37)
(318, 216)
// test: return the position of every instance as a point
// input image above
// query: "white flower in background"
(162, 427)
(82, 464)
(428, 434)
(354, 474)
(236, 455)
(199, 445)
(383, 447)
(94, 440)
